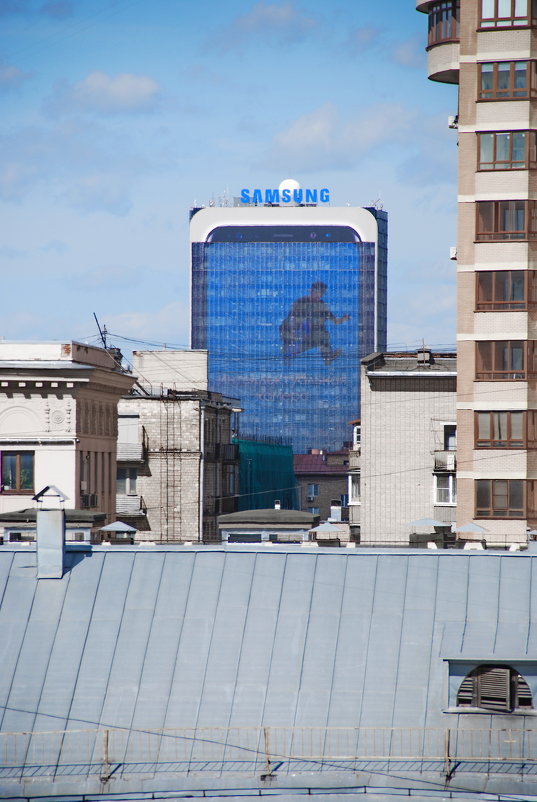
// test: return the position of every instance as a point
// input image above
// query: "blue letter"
(311, 196)
(272, 196)
(324, 195)
(297, 195)
(257, 197)
(286, 196)
(245, 196)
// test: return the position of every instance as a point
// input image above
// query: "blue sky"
(118, 115)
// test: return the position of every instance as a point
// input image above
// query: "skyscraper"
(489, 48)
(287, 299)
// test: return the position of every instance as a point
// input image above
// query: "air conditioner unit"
(453, 253)
(450, 461)
(453, 121)
(311, 498)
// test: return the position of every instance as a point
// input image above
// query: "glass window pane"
(521, 7)
(502, 147)
(9, 471)
(484, 287)
(517, 422)
(487, 8)
(121, 481)
(486, 148)
(501, 356)
(486, 77)
(520, 74)
(504, 72)
(483, 426)
(483, 494)
(517, 286)
(27, 471)
(500, 494)
(501, 286)
(516, 494)
(517, 357)
(499, 425)
(518, 153)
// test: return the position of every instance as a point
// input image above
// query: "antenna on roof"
(102, 332)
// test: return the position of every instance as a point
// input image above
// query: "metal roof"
(146, 639)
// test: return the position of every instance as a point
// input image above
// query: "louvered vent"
(500, 689)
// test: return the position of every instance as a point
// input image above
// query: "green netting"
(266, 474)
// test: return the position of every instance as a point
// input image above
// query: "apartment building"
(177, 467)
(489, 47)
(408, 445)
(58, 425)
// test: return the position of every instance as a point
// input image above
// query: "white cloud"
(100, 192)
(410, 52)
(276, 24)
(324, 139)
(11, 76)
(168, 325)
(124, 93)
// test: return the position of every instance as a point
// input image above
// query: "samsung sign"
(277, 196)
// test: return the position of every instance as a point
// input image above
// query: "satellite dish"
(290, 184)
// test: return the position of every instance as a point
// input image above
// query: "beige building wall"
(497, 43)
(58, 403)
(403, 413)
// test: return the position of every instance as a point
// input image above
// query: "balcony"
(227, 452)
(130, 505)
(445, 461)
(133, 452)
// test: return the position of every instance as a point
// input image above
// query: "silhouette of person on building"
(304, 327)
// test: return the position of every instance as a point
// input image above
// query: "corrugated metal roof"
(249, 637)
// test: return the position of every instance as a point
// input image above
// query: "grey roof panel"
(244, 638)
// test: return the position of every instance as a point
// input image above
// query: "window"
(506, 150)
(126, 481)
(314, 510)
(344, 499)
(505, 290)
(505, 360)
(445, 488)
(450, 437)
(503, 80)
(500, 498)
(499, 689)
(313, 490)
(498, 221)
(506, 429)
(355, 488)
(507, 13)
(18, 472)
(444, 21)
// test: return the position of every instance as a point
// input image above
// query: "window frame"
(496, 303)
(512, 21)
(494, 212)
(443, 22)
(529, 430)
(487, 370)
(512, 92)
(496, 491)
(130, 479)
(313, 490)
(451, 489)
(496, 164)
(18, 489)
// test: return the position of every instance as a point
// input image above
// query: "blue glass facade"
(286, 324)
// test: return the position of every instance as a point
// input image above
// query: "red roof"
(315, 463)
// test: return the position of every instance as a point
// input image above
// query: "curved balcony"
(443, 62)
(443, 39)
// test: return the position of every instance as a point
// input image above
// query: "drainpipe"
(202, 469)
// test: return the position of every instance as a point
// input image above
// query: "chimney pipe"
(50, 543)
